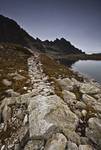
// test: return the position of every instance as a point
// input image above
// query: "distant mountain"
(11, 32)
(61, 46)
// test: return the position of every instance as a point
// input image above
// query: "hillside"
(11, 32)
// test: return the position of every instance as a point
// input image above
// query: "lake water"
(90, 68)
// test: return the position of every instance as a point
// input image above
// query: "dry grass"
(12, 59)
(55, 70)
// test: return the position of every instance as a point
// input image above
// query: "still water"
(90, 68)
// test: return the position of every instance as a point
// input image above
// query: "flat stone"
(92, 102)
(89, 88)
(57, 142)
(85, 147)
(49, 114)
(80, 105)
(66, 84)
(68, 95)
(75, 82)
(88, 99)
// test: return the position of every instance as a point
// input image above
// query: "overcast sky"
(79, 21)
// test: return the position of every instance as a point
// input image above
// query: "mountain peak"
(11, 32)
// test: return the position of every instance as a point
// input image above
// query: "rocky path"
(41, 120)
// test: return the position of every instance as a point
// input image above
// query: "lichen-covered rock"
(69, 97)
(92, 102)
(88, 99)
(80, 105)
(57, 142)
(66, 84)
(49, 114)
(89, 88)
(93, 131)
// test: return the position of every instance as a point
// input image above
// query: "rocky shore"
(43, 120)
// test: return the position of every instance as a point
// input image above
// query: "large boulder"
(93, 131)
(88, 99)
(57, 142)
(89, 88)
(92, 102)
(48, 115)
(69, 97)
(66, 84)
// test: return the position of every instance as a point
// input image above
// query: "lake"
(90, 68)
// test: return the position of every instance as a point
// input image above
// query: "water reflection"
(90, 68)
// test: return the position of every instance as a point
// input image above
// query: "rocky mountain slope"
(11, 32)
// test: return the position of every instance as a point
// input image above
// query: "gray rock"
(80, 105)
(85, 147)
(69, 97)
(57, 142)
(6, 82)
(92, 102)
(89, 88)
(66, 84)
(75, 82)
(84, 113)
(49, 114)
(93, 132)
(72, 146)
(88, 99)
